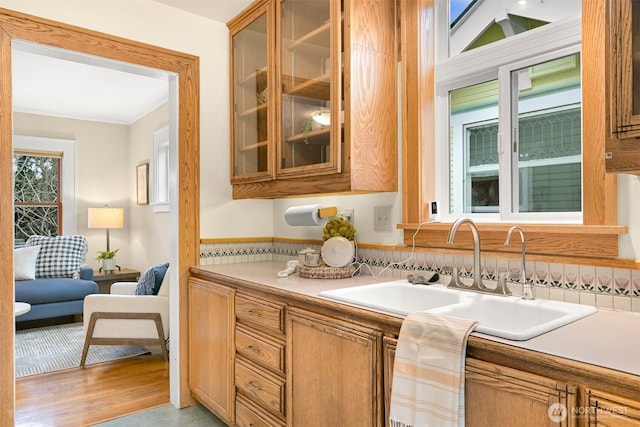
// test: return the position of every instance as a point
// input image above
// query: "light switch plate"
(382, 218)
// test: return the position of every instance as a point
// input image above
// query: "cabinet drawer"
(261, 313)
(260, 386)
(249, 415)
(260, 349)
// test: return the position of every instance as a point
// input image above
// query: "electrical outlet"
(349, 215)
(382, 218)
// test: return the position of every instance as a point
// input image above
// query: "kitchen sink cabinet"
(333, 372)
(500, 396)
(211, 347)
(314, 106)
(609, 410)
(263, 356)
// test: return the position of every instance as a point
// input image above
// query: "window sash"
(46, 209)
(508, 93)
(496, 61)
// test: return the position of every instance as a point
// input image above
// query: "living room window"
(37, 198)
(44, 187)
(508, 120)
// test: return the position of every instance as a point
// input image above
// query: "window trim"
(161, 149)
(417, 32)
(68, 149)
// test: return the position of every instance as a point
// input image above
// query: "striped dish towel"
(428, 372)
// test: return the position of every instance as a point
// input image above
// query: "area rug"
(57, 347)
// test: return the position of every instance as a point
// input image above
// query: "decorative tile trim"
(603, 287)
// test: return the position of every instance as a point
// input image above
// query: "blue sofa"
(55, 297)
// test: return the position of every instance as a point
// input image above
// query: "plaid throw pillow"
(59, 256)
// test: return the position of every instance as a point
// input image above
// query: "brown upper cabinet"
(623, 148)
(313, 98)
(252, 108)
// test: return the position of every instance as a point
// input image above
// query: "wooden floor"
(93, 394)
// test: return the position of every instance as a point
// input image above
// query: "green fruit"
(338, 226)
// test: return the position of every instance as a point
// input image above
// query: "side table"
(105, 279)
(20, 308)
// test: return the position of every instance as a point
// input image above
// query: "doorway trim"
(23, 27)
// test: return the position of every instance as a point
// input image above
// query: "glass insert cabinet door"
(310, 79)
(625, 65)
(253, 116)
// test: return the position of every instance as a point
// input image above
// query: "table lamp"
(106, 218)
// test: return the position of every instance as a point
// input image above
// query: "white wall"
(148, 236)
(629, 215)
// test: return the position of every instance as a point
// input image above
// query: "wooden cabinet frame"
(265, 107)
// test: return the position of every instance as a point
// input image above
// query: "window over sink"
(508, 136)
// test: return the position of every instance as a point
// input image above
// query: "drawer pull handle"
(255, 350)
(253, 385)
(253, 313)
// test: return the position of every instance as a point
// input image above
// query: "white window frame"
(161, 160)
(68, 149)
(483, 64)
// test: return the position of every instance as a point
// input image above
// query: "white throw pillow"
(24, 262)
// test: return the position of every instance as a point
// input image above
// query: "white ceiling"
(217, 10)
(63, 84)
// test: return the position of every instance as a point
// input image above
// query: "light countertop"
(609, 339)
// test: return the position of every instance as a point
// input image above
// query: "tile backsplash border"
(603, 287)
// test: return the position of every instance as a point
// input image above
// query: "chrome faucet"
(477, 272)
(477, 284)
(528, 292)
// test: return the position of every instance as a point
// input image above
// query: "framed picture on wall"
(142, 183)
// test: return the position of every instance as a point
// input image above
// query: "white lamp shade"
(106, 218)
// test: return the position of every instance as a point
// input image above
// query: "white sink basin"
(400, 297)
(514, 318)
(506, 317)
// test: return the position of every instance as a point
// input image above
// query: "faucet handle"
(455, 278)
(503, 287)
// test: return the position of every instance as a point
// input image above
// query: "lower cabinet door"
(332, 371)
(211, 347)
(608, 410)
(499, 396)
(389, 346)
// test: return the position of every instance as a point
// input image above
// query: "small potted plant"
(108, 259)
